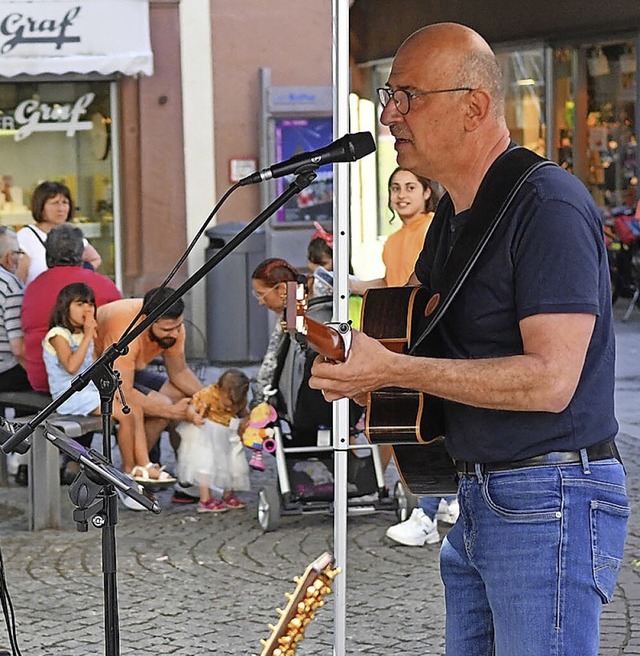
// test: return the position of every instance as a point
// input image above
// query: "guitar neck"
(325, 340)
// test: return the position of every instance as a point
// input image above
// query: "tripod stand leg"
(109, 570)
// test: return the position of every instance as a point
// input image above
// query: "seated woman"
(286, 365)
(269, 282)
(51, 206)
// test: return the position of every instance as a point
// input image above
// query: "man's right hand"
(194, 416)
(182, 410)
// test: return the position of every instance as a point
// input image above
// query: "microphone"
(346, 149)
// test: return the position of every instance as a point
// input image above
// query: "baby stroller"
(304, 452)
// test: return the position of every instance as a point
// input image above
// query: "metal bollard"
(44, 484)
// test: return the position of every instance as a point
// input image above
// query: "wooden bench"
(44, 469)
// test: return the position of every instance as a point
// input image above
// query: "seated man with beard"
(154, 399)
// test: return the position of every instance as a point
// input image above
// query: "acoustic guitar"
(410, 422)
(311, 589)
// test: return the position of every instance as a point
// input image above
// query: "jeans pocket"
(608, 531)
(516, 495)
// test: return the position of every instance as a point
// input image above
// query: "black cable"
(7, 609)
(184, 256)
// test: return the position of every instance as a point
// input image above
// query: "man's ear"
(477, 110)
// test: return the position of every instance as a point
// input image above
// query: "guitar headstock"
(311, 588)
(331, 340)
(295, 309)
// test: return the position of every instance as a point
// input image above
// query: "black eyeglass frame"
(385, 95)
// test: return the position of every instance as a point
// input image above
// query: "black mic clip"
(8, 430)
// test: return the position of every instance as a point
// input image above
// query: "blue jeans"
(430, 505)
(535, 554)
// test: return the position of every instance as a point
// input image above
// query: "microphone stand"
(107, 381)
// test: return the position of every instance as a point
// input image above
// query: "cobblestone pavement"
(192, 584)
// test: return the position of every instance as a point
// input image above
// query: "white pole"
(340, 53)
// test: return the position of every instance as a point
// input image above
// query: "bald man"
(526, 368)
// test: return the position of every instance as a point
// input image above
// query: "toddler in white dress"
(212, 455)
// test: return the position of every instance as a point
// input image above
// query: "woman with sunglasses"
(269, 286)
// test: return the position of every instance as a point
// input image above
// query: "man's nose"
(390, 113)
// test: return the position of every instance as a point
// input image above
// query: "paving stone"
(191, 585)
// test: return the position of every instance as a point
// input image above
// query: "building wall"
(380, 26)
(152, 161)
(293, 38)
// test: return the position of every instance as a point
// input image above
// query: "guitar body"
(411, 422)
(392, 315)
(426, 468)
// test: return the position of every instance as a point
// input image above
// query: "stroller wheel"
(406, 501)
(268, 509)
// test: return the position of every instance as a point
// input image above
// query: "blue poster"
(293, 136)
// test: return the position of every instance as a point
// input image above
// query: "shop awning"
(57, 37)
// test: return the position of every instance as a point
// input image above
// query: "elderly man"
(525, 371)
(64, 248)
(157, 398)
(13, 376)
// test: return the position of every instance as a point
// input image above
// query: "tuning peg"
(332, 573)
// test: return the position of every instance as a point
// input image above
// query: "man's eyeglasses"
(19, 252)
(402, 97)
(260, 295)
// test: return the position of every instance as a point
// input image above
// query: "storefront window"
(610, 123)
(523, 78)
(59, 131)
(594, 114)
(564, 66)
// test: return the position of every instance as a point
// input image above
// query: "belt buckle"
(466, 468)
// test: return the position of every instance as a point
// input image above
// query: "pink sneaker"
(212, 506)
(231, 501)
(256, 461)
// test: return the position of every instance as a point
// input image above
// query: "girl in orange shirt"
(413, 199)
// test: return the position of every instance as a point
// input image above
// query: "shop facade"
(76, 106)
(570, 82)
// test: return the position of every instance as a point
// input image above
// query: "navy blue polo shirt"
(547, 256)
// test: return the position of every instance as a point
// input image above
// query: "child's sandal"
(163, 477)
(141, 475)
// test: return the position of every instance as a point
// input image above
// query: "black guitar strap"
(497, 191)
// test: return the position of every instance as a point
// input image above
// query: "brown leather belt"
(600, 451)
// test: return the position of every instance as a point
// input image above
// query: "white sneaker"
(448, 512)
(415, 531)
(128, 502)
